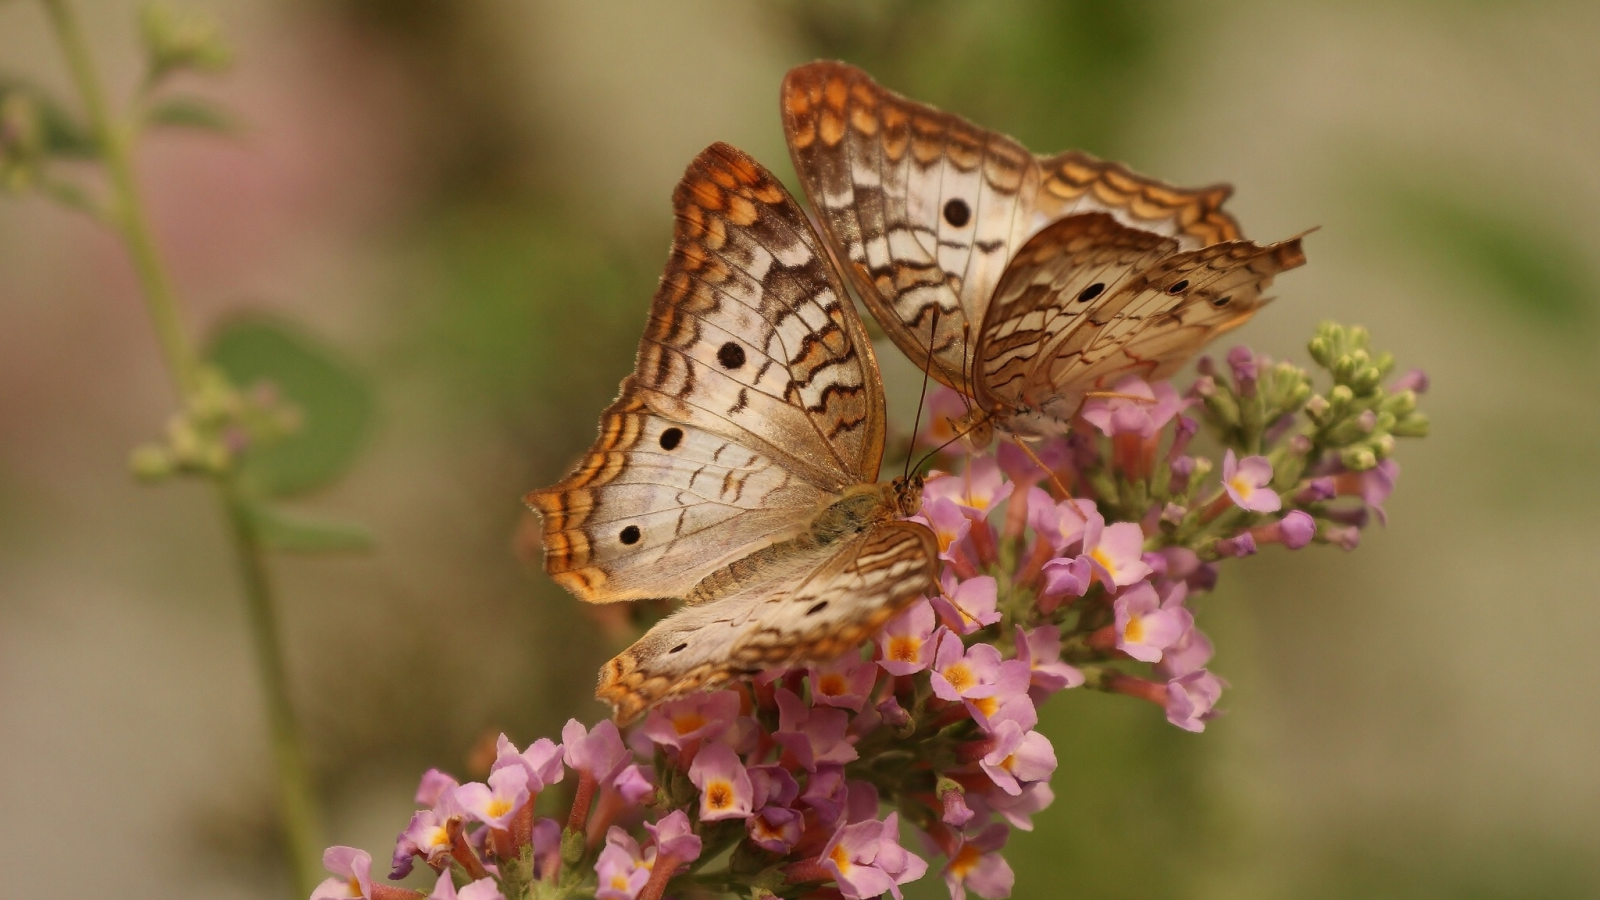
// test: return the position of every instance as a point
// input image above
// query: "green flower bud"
(176, 40)
(151, 463)
(1414, 425)
(1358, 458)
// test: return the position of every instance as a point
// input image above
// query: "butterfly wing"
(754, 400)
(1089, 300)
(924, 210)
(813, 608)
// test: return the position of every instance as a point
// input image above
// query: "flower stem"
(297, 802)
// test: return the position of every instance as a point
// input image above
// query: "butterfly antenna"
(933, 335)
(959, 435)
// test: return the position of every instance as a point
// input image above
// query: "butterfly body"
(1025, 282)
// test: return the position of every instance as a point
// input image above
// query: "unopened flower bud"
(1414, 425)
(1358, 458)
(150, 463)
(1415, 381)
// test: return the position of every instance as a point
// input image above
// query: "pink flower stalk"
(814, 736)
(978, 865)
(725, 791)
(969, 605)
(698, 717)
(1191, 699)
(482, 889)
(907, 643)
(1017, 757)
(622, 868)
(845, 683)
(1116, 553)
(1248, 481)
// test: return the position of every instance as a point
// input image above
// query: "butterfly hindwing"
(812, 607)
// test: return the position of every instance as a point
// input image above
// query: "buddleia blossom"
(1073, 563)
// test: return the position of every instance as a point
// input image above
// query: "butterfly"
(1024, 282)
(737, 468)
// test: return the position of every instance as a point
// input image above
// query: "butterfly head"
(905, 494)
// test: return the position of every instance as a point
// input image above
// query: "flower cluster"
(1068, 563)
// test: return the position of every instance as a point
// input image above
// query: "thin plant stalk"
(298, 807)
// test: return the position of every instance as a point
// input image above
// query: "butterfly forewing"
(926, 210)
(754, 399)
(813, 607)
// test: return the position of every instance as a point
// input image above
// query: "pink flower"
(634, 784)
(1189, 653)
(978, 865)
(1114, 416)
(1018, 757)
(674, 838)
(725, 791)
(968, 605)
(1373, 486)
(954, 810)
(845, 683)
(908, 641)
(1294, 530)
(977, 490)
(352, 870)
(1065, 577)
(1192, 698)
(992, 689)
(1019, 810)
(434, 786)
(866, 859)
(1040, 649)
(542, 761)
(826, 793)
(1062, 524)
(775, 828)
(428, 836)
(1116, 553)
(814, 736)
(497, 802)
(622, 869)
(600, 752)
(772, 785)
(1247, 483)
(946, 409)
(949, 525)
(1145, 627)
(699, 717)
(482, 889)
(1021, 468)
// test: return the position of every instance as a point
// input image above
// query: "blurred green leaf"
(190, 112)
(1534, 272)
(294, 534)
(60, 132)
(336, 405)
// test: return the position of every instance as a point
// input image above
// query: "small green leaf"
(190, 112)
(59, 133)
(294, 534)
(335, 404)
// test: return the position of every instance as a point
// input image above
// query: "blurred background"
(464, 205)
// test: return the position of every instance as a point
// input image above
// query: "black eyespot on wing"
(1092, 291)
(1179, 287)
(671, 438)
(1220, 302)
(817, 607)
(731, 355)
(957, 213)
(679, 648)
(629, 535)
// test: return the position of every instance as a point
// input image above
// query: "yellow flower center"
(905, 648)
(1134, 633)
(719, 795)
(986, 705)
(1008, 762)
(1100, 556)
(687, 721)
(355, 886)
(959, 676)
(619, 882)
(831, 685)
(841, 859)
(498, 807)
(1243, 488)
(437, 837)
(965, 861)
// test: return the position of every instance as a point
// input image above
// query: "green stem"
(298, 807)
(128, 209)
